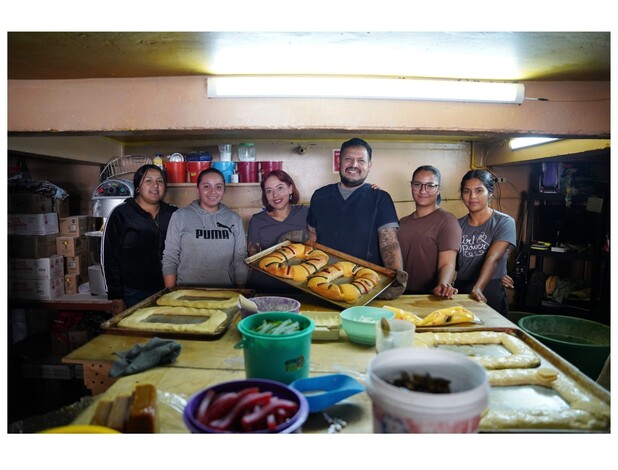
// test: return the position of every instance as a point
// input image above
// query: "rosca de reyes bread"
(196, 298)
(189, 320)
(322, 282)
(278, 264)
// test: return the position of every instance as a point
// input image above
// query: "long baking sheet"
(387, 276)
(111, 326)
(518, 397)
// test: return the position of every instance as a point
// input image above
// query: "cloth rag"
(143, 356)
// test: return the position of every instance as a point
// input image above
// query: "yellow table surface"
(221, 354)
(204, 363)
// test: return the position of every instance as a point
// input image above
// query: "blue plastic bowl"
(359, 323)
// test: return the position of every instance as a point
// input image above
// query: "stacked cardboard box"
(25, 202)
(37, 278)
(73, 245)
(35, 270)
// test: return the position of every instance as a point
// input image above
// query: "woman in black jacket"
(134, 239)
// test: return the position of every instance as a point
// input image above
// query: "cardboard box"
(76, 264)
(72, 283)
(32, 246)
(32, 203)
(77, 225)
(72, 246)
(33, 224)
(36, 289)
(39, 268)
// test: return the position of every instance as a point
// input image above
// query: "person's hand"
(397, 288)
(444, 290)
(477, 294)
(374, 186)
(507, 282)
(296, 236)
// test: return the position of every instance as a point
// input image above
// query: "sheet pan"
(387, 276)
(549, 359)
(111, 326)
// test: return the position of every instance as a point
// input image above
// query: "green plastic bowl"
(583, 343)
(359, 323)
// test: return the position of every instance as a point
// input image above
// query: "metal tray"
(550, 360)
(111, 326)
(387, 276)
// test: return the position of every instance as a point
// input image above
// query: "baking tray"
(387, 276)
(549, 359)
(111, 326)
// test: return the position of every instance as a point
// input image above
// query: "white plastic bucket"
(398, 410)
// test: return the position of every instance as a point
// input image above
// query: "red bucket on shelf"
(195, 168)
(247, 172)
(266, 167)
(176, 172)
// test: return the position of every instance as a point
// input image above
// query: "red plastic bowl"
(278, 389)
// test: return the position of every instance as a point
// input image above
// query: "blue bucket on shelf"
(227, 168)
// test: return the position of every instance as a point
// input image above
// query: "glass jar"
(246, 152)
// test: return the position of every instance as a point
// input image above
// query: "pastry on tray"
(175, 319)
(196, 298)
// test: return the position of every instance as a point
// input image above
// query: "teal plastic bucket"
(584, 343)
(284, 358)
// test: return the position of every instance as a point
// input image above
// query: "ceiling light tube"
(523, 142)
(366, 88)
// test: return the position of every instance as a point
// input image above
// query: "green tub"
(584, 343)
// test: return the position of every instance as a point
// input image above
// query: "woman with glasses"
(487, 235)
(134, 239)
(206, 244)
(429, 238)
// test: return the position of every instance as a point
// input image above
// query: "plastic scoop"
(248, 305)
(324, 391)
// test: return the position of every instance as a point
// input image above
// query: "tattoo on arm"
(390, 249)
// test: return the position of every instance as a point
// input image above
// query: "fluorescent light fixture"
(523, 142)
(367, 88)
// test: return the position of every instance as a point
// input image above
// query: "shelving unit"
(549, 219)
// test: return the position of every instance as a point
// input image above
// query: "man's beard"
(351, 183)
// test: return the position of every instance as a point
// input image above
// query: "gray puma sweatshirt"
(206, 249)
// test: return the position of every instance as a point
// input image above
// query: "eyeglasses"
(429, 187)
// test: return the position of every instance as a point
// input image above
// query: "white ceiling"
(538, 56)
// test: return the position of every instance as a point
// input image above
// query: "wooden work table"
(86, 302)
(202, 363)
(97, 356)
